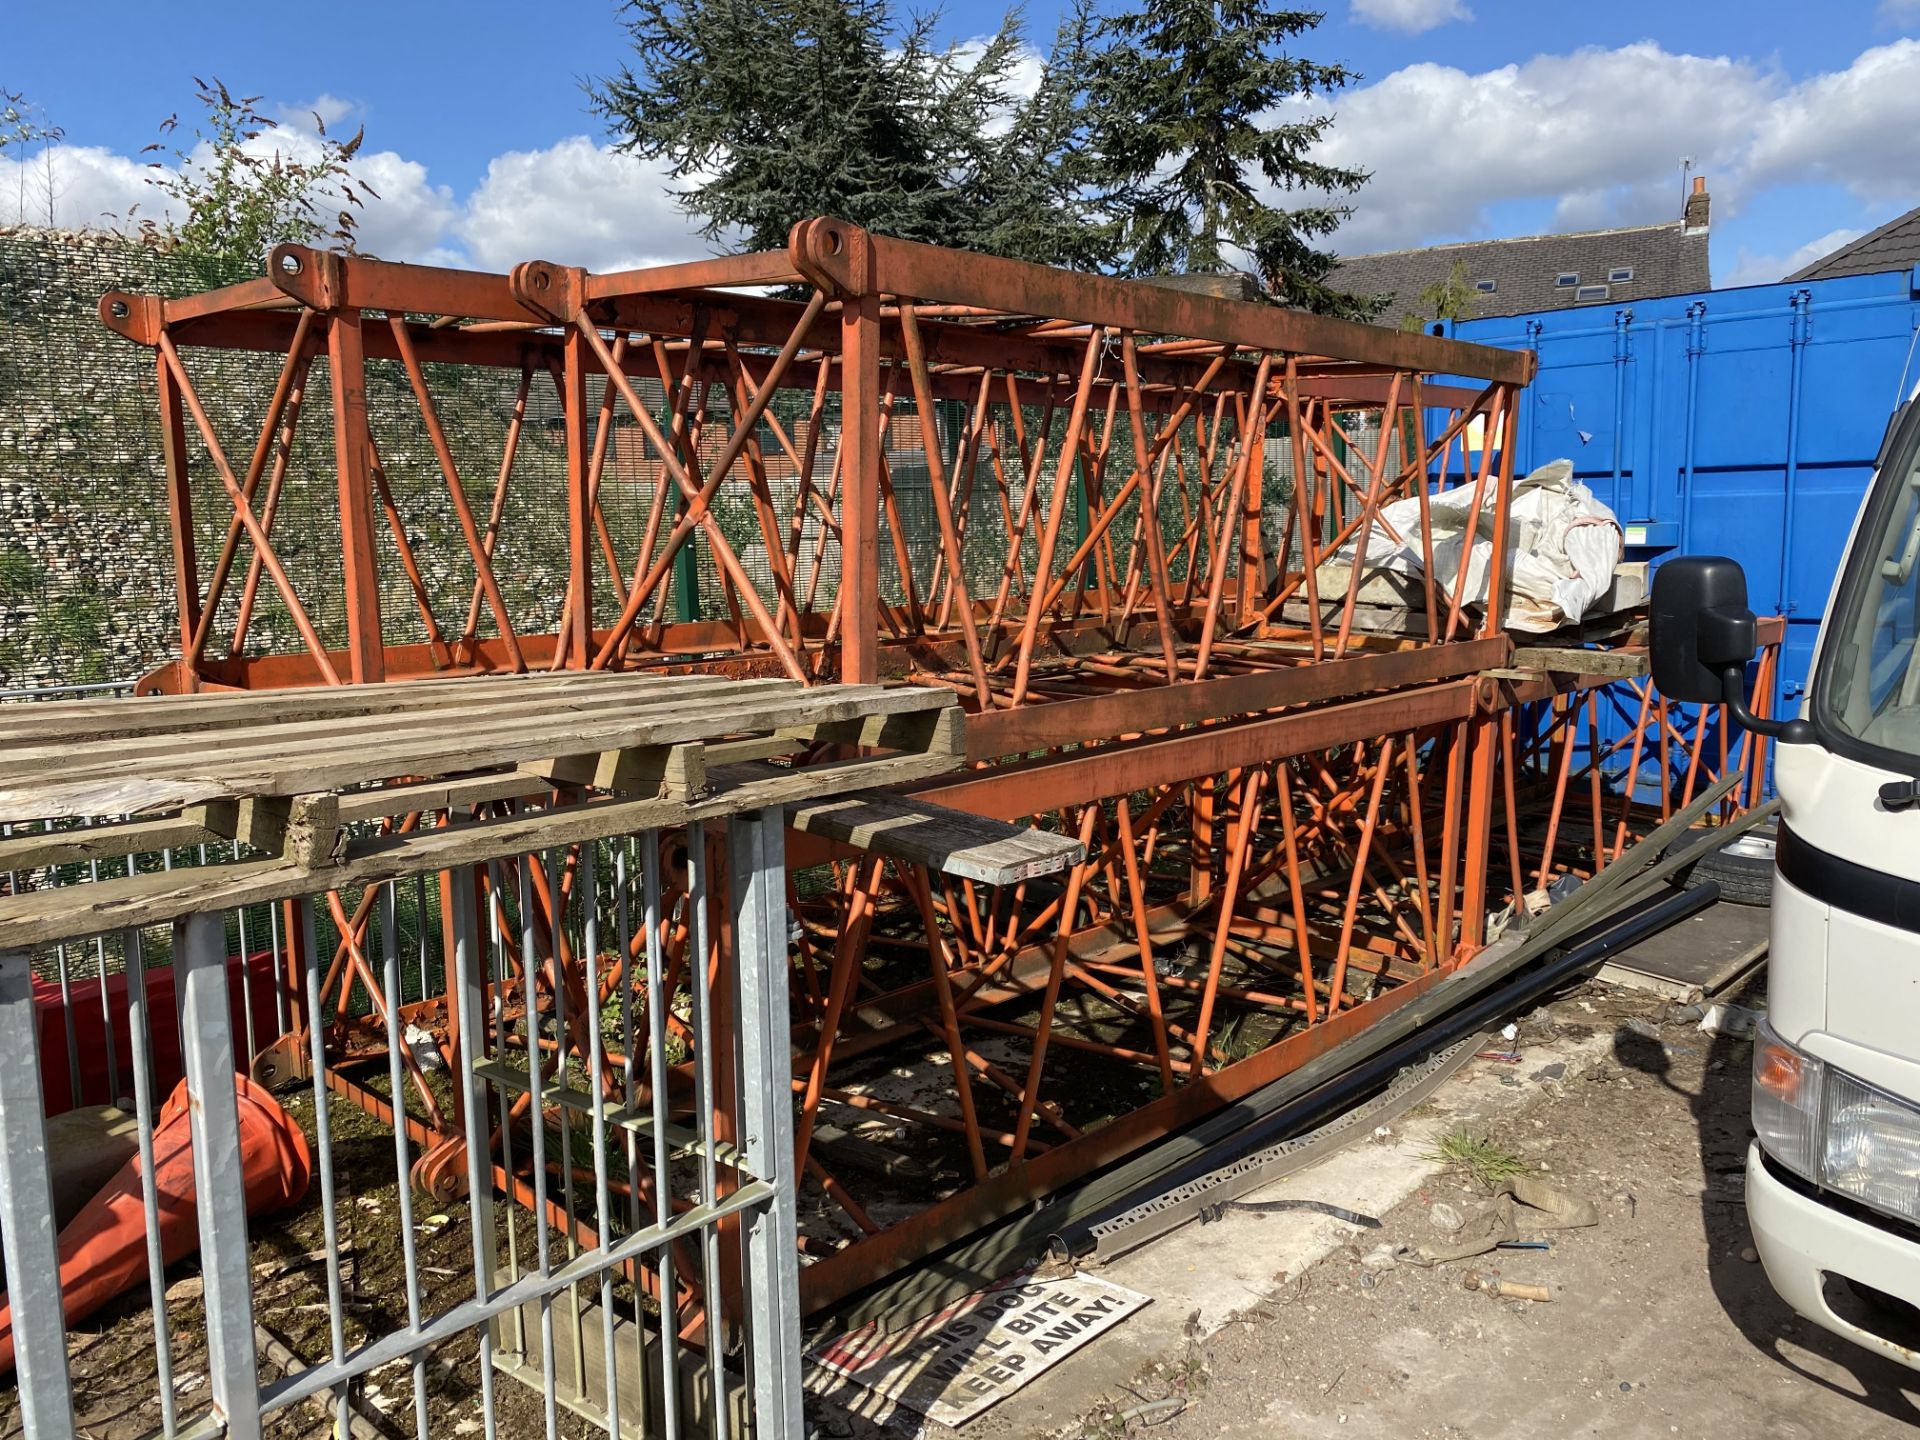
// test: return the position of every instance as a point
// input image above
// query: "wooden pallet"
(295, 774)
(612, 732)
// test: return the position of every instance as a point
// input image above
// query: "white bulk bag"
(1562, 546)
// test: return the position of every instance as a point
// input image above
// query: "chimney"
(1695, 215)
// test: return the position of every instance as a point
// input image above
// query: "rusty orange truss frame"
(1297, 815)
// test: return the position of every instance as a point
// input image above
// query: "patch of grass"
(1488, 1164)
(1236, 1040)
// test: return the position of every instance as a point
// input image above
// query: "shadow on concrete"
(1721, 1109)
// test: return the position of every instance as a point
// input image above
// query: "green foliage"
(1195, 113)
(1152, 143)
(22, 127)
(1035, 195)
(232, 198)
(1476, 1156)
(19, 575)
(1453, 298)
(770, 111)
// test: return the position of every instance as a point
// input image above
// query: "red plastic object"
(103, 1251)
(90, 1031)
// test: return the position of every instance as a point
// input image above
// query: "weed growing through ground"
(1236, 1040)
(1478, 1156)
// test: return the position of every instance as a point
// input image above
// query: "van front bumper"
(1802, 1241)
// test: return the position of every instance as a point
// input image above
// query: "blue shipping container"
(1735, 422)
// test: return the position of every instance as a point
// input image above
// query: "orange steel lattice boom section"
(1112, 516)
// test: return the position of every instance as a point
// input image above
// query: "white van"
(1833, 1176)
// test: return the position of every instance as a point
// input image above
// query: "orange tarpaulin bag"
(103, 1252)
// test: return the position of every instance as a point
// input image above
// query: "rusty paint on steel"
(1297, 807)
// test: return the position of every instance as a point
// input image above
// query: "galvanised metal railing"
(661, 1226)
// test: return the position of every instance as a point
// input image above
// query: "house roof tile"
(1668, 259)
(1894, 246)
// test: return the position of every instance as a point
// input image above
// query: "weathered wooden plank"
(197, 826)
(1572, 660)
(148, 714)
(79, 911)
(313, 765)
(673, 772)
(970, 847)
(942, 731)
(75, 759)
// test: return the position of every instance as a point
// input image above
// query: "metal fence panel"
(575, 1287)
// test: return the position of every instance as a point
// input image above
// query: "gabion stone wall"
(86, 580)
(85, 589)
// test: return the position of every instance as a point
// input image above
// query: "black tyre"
(1742, 868)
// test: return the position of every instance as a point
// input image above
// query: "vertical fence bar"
(397, 1081)
(537, 1092)
(246, 976)
(704, 1104)
(138, 1031)
(471, 997)
(106, 999)
(280, 960)
(629, 1094)
(75, 1098)
(757, 867)
(657, 1005)
(323, 1136)
(420, 929)
(28, 1237)
(219, 1178)
(498, 923)
(558, 907)
(596, 1089)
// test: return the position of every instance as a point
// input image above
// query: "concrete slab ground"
(1201, 1277)
(1268, 1325)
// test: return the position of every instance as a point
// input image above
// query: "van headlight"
(1835, 1129)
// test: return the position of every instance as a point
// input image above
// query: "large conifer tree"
(1196, 118)
(769, 111)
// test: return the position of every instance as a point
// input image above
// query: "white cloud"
(1599, 136)
(1898, 12)
(1592, 130)
(1854, 127)
(93, 188)
(1409, 16)
(1751, 269)
(576, 203)
(79, 187)
(332, 110)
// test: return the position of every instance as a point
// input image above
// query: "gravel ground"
(1660, 1324)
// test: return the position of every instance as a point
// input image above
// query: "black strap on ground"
(1211, 1213)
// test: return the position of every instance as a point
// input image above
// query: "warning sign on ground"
(968, 1357)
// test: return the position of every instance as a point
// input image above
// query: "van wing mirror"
(1701, 627)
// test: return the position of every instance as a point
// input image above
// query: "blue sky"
(1478, 117)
